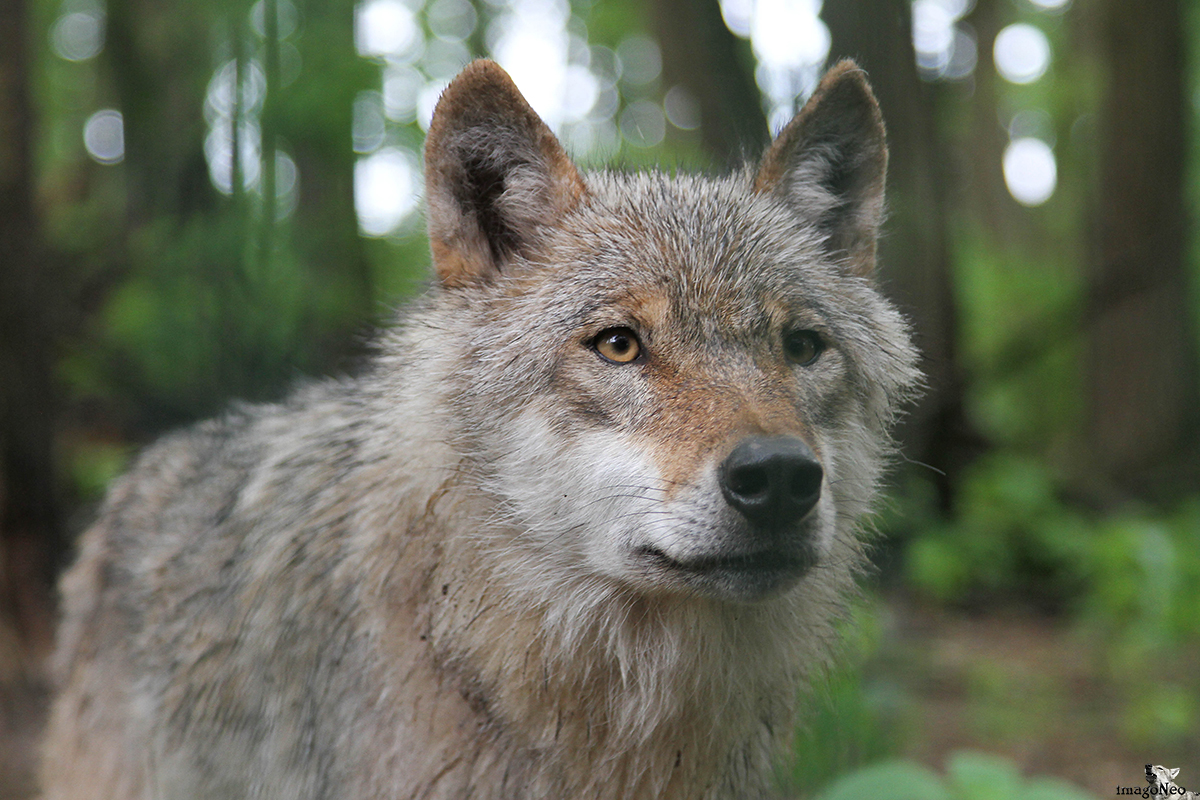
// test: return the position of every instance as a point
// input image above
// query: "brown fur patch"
(707, 412)
(490, 195)
(838, 141)
(430, 580)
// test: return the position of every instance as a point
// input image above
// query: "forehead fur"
(699, 215)
(714, 245)
(705, 262)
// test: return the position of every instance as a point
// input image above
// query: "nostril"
(749, 482)
(806, 480)
(771, 480)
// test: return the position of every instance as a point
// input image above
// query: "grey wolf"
(582, 529)
(1163, 779)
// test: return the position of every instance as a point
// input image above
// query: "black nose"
(771, 480)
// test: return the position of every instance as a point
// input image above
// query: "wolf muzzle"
(773, 481)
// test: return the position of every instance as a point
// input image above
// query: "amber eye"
(618, 345)
(803, 347)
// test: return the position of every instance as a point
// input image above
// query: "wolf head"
(1160, 775)
(679, 385)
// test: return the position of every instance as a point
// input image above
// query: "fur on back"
(423, 582)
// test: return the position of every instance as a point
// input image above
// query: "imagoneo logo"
(1160, 782)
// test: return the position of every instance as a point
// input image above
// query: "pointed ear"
(495, 176)
(829, 164)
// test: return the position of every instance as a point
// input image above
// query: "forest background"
(205, 200)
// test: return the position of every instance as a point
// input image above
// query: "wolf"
(582, 528)
(1161, 781)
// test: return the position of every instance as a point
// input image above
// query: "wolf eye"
(803, 347)
(618, 345)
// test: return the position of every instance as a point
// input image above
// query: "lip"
(732, 577)
(761, 562)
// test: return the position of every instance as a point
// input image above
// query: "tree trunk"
(702, 55)
(992, 205)
(326, 225)
(159, 56)
(1141, 367)
(29, 539)
(914, 257)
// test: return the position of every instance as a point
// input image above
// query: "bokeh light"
(640, 59)
(220, 100)
(402, 85)
(104, 136)
(1030, 171)
(682, 109)
(427, 100)
(451, 20)
(643, 123)
(221, 104)
(218, 151)
(386, 189)
(78, 34)
(385, 28)
(1035, 122)
(369, 128)
(1022, 53)
(287, 18)
(530, 40)
(945, 48)
(790, 43)
(1056, 6)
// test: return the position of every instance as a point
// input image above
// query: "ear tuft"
(495, 176)
(830, 163)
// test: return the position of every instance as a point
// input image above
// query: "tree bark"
(914, 255)
(159, 56)
(1141, 366)
(30, 544)
(325, 230)
(701, 54)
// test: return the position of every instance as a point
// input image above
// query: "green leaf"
(979, 776)
(1053, 789)
(889, 780)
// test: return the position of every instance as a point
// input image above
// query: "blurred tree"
(717, 70)
(914, 253)
(159, 57)
(316, 120)
(29, 537)
(233, 295)
(990, 204)
(1140, 362)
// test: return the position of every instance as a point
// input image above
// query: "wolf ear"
(495, 176)
(829, 163)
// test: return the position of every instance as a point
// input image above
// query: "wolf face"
(1158, 774)
(688, 379)
(581, 529)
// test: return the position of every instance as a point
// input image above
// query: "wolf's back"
(580, 530)
(211, 602)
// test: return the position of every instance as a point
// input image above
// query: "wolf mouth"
(767, 563)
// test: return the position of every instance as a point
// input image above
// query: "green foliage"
(94, 465)
(890, 780)
(1011, 537)
(200, 320)
(1160, 712)
(1019, 341)
(969, 776)
(849, 717)
(1130, 580)
(1143, 600)
(1144, 576)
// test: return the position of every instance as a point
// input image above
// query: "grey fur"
(429, 581)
